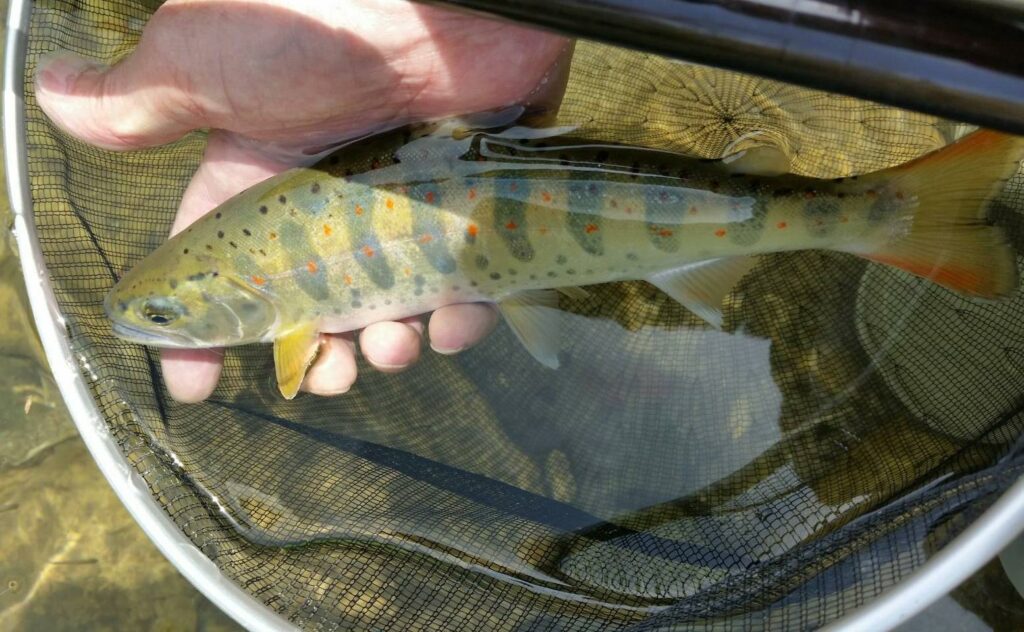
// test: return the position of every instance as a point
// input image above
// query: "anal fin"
(701, 287)
(534, 317)
(294, 352)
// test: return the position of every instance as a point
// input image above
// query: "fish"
(402, 224)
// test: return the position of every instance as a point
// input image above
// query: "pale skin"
(274, 79)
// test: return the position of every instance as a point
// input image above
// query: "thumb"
(128, 106)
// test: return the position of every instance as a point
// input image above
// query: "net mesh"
(780, 474)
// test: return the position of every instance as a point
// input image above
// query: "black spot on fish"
(217, 215)
(561, 260)
(282, 199)
(570, 271)
(315, 188)
(198, 276)
(263, 210)
(631, 256)
(473, 284)
(533, 277)
(122, 306)
(495, 276)
(185, 251)
(233, 244)
(482, 262)
(173, 283)
(263, 252)
(220, 234)
(209, 247)
(512, 272)
(247, 232)
(552, 274)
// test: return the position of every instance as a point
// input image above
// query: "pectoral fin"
(294, 353)
(534, 317)
(701, 287)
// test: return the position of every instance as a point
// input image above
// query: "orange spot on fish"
(872, 193)
(327, 230)
(258, 280)
(472, 230)
(389, 203)
(720, 232)
(591, 228)
(781, 225)
(273, 235)
(311, 266)
(543, 230)
(359, 210)
(429, 197)
(629, 210)
(544, 195)
(426, 239)
(368, 251)
(511, 225)
(665, 232)
(472, 194)
(899, 195)
(347, 280)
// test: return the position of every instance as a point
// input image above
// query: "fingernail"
(56, 72)
(452, 351)
(390, 367)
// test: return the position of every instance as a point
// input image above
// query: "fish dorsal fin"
(701, 287)
(756, 154)
(534, 317)
(294, 353)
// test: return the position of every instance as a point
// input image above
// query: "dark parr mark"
(510, 217)
(313, 278)
(369, 253)
(583, 221)
(427, 224)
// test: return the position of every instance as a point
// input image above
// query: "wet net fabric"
(847, 423)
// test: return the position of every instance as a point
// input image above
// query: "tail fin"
(949, 241)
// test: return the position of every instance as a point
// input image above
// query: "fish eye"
(160, 311)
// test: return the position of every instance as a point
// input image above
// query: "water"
(786, 442)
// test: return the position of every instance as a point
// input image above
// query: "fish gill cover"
(785, 469)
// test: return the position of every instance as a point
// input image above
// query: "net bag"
(851, 431)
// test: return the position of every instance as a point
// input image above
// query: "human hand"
(277, 79)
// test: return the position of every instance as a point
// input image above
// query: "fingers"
(335, 369)
(455, 328)
(191, 374)
(392, 346)
(127, 106)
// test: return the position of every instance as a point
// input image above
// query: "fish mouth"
(148, 338)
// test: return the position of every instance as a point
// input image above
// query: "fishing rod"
(957, 59)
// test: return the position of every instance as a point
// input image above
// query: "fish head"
(187, 303)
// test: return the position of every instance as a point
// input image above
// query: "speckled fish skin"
(485, 218)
